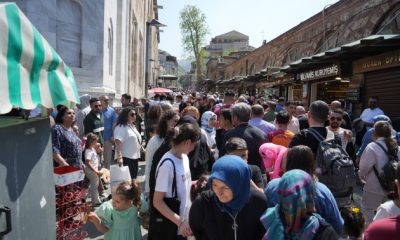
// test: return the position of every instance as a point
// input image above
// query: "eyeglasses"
(337, 119)
(132, 114)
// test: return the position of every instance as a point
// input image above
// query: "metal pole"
(146, 63)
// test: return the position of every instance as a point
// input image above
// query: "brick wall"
(345, 21)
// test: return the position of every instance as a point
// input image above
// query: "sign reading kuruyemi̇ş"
(329, 71)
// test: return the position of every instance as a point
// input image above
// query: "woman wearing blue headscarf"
(231, 209)
(294, 216)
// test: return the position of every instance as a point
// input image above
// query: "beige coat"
(372, 156)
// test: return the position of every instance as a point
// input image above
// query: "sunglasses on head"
(337, 119)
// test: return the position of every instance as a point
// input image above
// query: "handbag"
(161, 227)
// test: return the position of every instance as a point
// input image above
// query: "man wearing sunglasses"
(94, 122)
(335, 121)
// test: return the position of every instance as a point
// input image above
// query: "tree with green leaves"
(194, 28)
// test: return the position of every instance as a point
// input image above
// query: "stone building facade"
(168, 70)
(232, 41)
(103, 41)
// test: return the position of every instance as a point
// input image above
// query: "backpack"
(388, 174)
(335, 168)
(164, 147)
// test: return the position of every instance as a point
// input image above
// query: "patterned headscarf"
(296, 198)
(294, 215)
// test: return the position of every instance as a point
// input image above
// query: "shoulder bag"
(161, 227)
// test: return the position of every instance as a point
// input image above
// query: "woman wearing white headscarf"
(208, 124)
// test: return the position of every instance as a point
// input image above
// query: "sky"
(259, 19)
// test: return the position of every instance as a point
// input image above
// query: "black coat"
(208, 222)
(254, 138)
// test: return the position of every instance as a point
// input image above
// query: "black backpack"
(164, 147)
(335, 168)
(388, 174)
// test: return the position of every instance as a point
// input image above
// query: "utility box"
(26, 179)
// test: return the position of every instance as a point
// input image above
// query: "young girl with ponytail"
(118, 218)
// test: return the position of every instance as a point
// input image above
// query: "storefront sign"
(329, 71)
(385, 60)
(353, 94)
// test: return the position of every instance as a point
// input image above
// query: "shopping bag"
(118, 174)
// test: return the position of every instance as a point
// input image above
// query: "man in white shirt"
(335, 120)
(369, 113)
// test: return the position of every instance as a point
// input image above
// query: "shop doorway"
(332, 90)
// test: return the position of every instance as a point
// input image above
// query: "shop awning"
(32, 73)
(168, 77)
(369, 46)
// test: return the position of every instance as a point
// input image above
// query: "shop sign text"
(329, 71)
(381, 61)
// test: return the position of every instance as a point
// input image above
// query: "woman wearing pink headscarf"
(272, 156)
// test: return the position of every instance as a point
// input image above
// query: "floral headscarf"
(293, 217)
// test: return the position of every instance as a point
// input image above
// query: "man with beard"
(94, 122)
(346, 122)
(369, 113)
(335, 120)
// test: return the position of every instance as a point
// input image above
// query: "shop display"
(71, 210)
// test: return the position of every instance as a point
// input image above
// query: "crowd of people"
(223, 166)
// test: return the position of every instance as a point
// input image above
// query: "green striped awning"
(31, 72)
